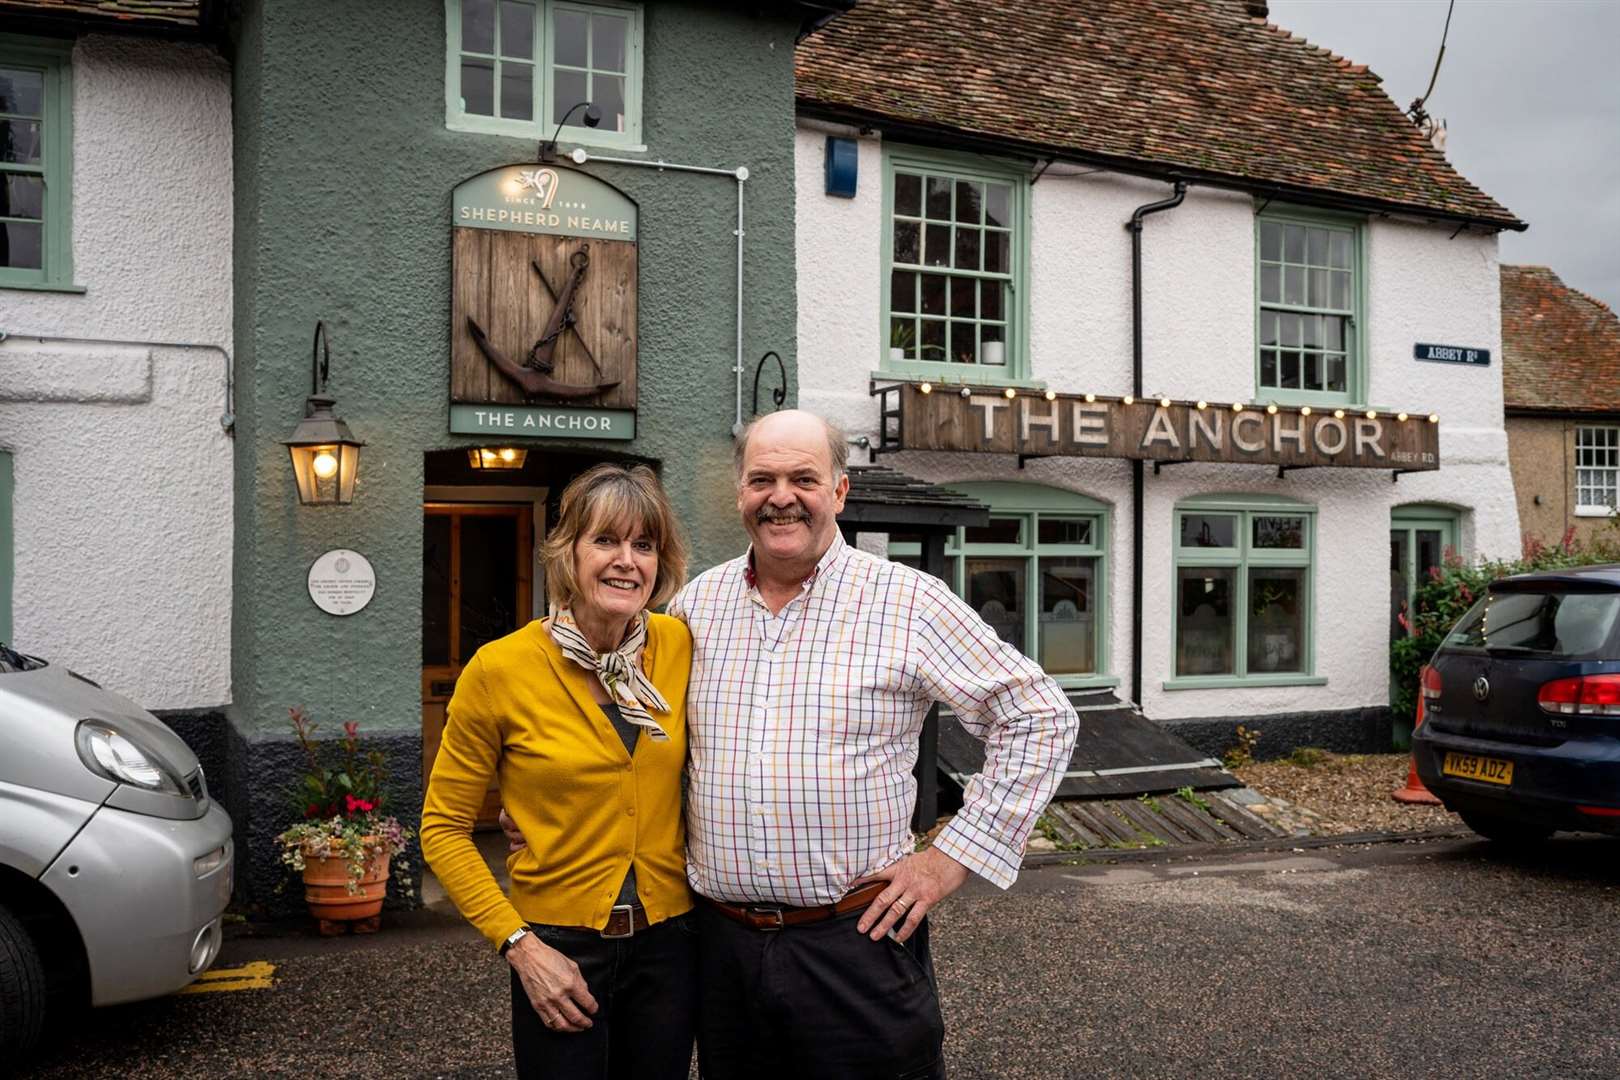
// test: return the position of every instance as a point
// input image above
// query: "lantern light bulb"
(325, 465)
(925, 388)
(1009, 393)
(508, 454)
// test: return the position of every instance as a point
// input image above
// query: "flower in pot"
(902, 335)
(344, 842)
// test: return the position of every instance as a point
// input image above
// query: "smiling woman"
(582, 718)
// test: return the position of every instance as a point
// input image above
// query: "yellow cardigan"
(523, 711)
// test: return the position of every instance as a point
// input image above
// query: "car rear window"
(1563, 624)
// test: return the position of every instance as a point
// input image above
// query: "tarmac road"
(1442, 959)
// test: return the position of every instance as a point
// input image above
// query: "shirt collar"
(834, 552)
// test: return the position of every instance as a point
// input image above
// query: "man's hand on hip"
(916, 883)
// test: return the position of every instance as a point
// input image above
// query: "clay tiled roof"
(110, 14)
(1560, 347)
(1199, 87)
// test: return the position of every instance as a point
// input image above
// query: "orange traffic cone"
(1414, 792)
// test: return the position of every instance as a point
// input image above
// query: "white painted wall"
(123, 471)
(1198, 310)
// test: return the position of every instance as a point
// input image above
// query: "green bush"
(1454, 587)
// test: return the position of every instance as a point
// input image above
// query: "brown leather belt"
(623, 921)
(776, 916)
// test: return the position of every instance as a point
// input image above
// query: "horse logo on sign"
(543, 182)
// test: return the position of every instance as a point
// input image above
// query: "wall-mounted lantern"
(325, 453)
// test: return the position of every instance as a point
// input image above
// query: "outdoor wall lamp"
(325, 453)
(593, 116)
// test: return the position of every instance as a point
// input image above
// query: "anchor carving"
(533, 376)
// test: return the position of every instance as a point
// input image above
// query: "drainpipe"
(1137, 465)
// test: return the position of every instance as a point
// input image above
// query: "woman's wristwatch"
(517, 935)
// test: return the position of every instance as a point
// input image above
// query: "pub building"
(1208, 325)
(535, 236)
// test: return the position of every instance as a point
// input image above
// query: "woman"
(581, 718)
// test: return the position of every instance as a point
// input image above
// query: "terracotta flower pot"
(335, 908)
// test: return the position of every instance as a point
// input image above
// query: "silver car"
(115, 865)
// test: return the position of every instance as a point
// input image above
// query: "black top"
(629, 733)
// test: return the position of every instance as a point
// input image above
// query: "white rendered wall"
(1198, 316)
(123, 498)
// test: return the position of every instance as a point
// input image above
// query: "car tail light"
(1583, 695)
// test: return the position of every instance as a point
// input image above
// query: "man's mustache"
(780, 516)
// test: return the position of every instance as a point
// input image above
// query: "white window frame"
(1597, 456)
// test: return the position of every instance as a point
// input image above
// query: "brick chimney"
(1257, 9)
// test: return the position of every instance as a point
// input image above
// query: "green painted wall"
(344, 172)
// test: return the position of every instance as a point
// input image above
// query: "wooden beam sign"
(1068, 425)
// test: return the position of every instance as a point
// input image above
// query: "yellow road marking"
(254, 976)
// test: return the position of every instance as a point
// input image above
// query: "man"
(814, 665)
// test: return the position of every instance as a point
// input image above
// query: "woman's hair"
(621, 499)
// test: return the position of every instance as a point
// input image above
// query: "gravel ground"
(1347, 793)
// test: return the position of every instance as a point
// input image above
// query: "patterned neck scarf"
(619, 670)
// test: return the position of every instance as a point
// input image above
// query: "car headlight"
(106, 751)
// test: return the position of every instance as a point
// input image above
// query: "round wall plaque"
(341, 582)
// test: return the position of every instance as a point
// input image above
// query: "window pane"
(997, 248)
(608, 35)
(1339, 250)
(1399, 587)
(607, 93)
(937, 248)
(1333, 373)
(1294, 243)
(1271, 284)
(908, 195)
(1208, 530)
(1053, 530)
(933, 294)
(1311, 377)
(999, 530)
(964, 296)
(1293, 285)
(1316, 245)
(478, 26)
(969, 201)
(1276, 619)
(569, 48)
(903, 291)
(903, 336)
(1430, 552)
(992, 332)
(22, 196)
(964, 343)
(517, 29)
(907, 242)
(1311, 331)
(995, 589)
(1288, 377)
(1271, 241)
(517, 91)
(20, 245)
(939, 198)
(1275, 531)
(967, 248)
(568, 90)
(478, 87)
(1268, 327)
(1291, 329)
(1317, 294)
(998, 205)
(1340, 296)
(1066, 620)
(990, 300)
(933, 340)
(1204, 624)
(1333, 332)
(19, 141)
(1268, 367)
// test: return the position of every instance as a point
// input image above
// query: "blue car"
(1521, 708)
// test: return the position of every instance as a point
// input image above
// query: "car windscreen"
(1574, 625)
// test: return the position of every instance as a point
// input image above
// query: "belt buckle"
(767, 910)
(629, 922)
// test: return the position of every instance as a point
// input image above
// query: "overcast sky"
(1530, 91)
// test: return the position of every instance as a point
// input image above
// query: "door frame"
(490, 493)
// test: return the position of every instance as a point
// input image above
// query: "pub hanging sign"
(920, 416)
(543, 303)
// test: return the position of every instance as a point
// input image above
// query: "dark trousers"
(818, 1002)
(645, 990)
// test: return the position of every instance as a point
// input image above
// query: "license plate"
(1473, 767)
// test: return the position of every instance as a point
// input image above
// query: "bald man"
(814, 666)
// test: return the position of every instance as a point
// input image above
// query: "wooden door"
(477, 585)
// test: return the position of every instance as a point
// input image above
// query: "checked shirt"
(803, 726)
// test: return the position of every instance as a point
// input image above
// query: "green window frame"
(36, 162)
(1243, 593)
(515, 67)
(1420, 536)
(955, 264)
(1043, 563)
(1310, 302)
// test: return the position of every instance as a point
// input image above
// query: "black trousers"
(645, 989)
(821, 1002)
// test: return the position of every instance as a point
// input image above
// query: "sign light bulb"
(1304, 410)
(1090, 398)
(1128, 399)
(1009, 393)
(965, 392)
(325, 465)
(926, 388)
(508, 454)
(1434, 418)
(1271, 410)
(1338, 414)
(1050, 395)
(1203, 404)
(1372, 414)
(1401, 417)
(1237, 406)
(1164, 403)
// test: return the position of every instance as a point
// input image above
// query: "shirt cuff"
(980, 851)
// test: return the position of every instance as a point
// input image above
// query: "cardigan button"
(630, 810)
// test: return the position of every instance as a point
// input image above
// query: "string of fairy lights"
(1271, 408)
